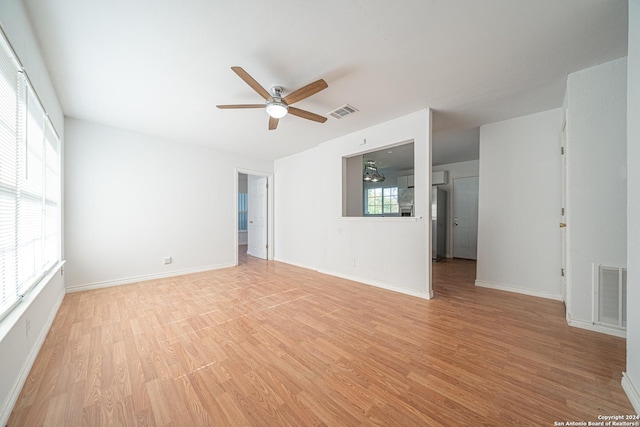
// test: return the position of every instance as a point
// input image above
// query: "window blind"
(29, 185)
(9, 72)
(243, 208)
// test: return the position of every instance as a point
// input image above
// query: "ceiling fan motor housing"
(276, 91)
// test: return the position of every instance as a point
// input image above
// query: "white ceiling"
(160, 67)
(392, 160)
(455, 145)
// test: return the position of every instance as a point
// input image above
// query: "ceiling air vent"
(340, 112)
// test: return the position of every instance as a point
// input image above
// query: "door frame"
(565, 281)
(270, 210)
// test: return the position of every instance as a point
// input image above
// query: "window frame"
(30, 192)
(382, 197)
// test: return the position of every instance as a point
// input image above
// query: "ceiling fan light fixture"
(277, 109)
(275, 104)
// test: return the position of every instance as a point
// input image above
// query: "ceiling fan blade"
(252, 82)
(241, 106)
(307, 115)
(273, 123)
(305, 91)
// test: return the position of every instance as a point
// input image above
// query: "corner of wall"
(631, 378)
(631, 391)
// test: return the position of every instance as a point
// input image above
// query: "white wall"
(596, 169)
(296, 207)
(631, 380)
(455, 170)
(388, 252)
(519, 204)
(18, 348)
(353, 187)
(18, 29)
(242, 183)
(133, 199)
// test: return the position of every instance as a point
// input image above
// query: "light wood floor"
(271, 344)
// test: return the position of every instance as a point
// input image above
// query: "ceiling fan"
(275, 104)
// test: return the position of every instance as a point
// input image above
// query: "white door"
(465, 217)
(257, 216)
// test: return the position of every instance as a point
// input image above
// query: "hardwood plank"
(160, 403)
(267, 343)
(233, 414)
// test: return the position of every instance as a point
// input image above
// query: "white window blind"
(243, 210)
(29, 185)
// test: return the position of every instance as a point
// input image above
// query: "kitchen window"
(381, 201)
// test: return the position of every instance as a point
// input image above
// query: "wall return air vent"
(610, 303)
(340, 112)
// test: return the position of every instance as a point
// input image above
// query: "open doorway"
(254, 216)
(454, 179)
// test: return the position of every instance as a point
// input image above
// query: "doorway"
(257, 216)
(254, 209)
(455, 169)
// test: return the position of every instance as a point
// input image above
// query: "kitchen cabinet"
(405, 181)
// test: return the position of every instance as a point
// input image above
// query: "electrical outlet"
(28, 327)
(167, 260)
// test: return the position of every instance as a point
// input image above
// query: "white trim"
(590, 326)
(419, 294)
(507, 288)
(12, 398)
(145, 277)
(631, 391)
(307, 267)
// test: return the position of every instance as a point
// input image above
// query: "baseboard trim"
(295, 264)
(387, 286)
(143, 278)
(6, 410)
(419, 294)
(596, 328)
(631, 391)
(530, 292)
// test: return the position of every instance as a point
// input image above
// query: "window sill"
(11, 319)
(382, 218)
